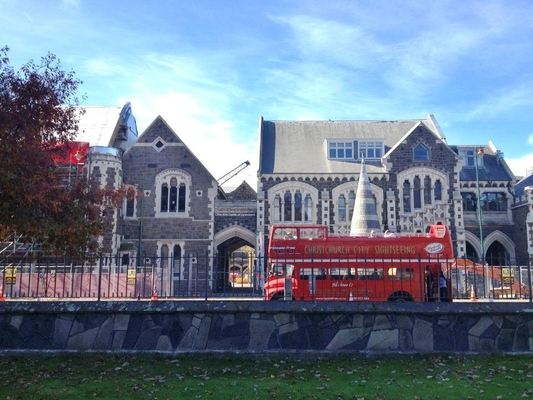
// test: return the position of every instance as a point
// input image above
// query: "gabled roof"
(243, 192)
(301, 146)
(160, 131)
(420, 125)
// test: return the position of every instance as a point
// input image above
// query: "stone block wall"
(257, 326)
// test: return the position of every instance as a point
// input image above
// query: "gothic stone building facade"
(308, 173)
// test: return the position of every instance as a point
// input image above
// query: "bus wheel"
(277, 297)
(400, 296)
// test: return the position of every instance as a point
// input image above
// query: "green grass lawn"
(196, 376)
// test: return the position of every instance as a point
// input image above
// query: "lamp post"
(140, 248)
(479, 153)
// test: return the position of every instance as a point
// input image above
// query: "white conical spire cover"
(365, 217)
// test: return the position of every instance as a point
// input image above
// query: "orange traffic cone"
(473, 294)
(154, 295)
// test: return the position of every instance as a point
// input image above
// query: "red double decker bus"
(307, 263)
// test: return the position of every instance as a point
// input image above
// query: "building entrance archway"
(235, 261)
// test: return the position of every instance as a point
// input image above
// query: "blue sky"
(211, 68)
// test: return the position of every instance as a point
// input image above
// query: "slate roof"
(492, 168)
(522, 184)
(294, 147)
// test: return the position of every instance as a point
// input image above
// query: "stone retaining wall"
(258, 326)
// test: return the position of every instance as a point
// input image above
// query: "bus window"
(312, 233)
(401, 273)
(318, 273)
(369, 273)
(341, 273)
(285, 234)
(281, 270)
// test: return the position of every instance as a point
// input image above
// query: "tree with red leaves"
(38, 116)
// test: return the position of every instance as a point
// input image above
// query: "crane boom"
(232, 173)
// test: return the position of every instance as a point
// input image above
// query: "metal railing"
(204, 277)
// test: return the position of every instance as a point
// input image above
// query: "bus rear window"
(307, 273)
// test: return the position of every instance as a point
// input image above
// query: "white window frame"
(366, 147)
(341, 145)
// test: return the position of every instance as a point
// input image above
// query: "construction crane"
(232, 173)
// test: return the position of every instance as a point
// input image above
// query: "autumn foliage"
(38, 116)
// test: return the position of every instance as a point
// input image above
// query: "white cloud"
(209, 136)
(521, 166)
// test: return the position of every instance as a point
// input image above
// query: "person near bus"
(389, 234)
(443, 287)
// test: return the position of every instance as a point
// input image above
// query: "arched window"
(437, 192)
(351, 204)
(308, 208)
(342, 208)
(277, 208)
(406, 197)
(287, 206)
(417, 196)
(297, 206)
(164, 197)
(292, 202)
(182, 198)
(427, 190)
(172, 193)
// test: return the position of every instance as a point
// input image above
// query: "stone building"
(522, 209)
(308, 173)
(186, 226)
(181, 224)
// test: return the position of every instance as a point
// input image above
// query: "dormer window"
(370, 150)
(468, 158)
(340, 150)
(421, 153)
(354, 150)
